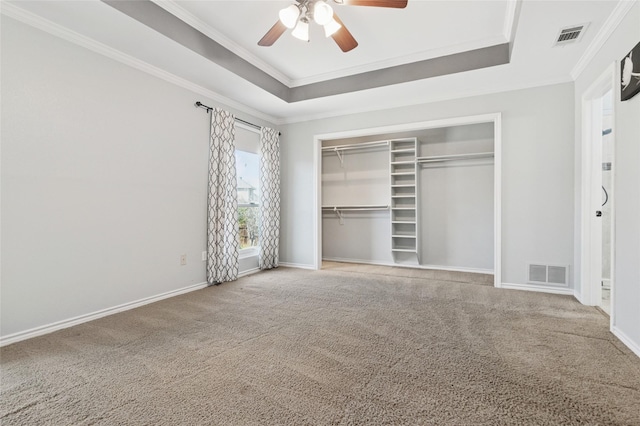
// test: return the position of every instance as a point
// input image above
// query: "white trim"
(589, 293)
(28, 18)
(248, 252)
(398, 61)
(538, 288)
(497, 199)
(628, 342)
(466, 93)
(248, 272)
(495, 118)
(510, 20)
(178, 11)
(59, 325)
(400, 265)
(609, 26)
(297, 265)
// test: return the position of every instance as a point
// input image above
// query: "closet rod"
(355, 146)
(357, 207)
(452, 157)
(199, 104)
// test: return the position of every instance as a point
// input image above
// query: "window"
(247, 171)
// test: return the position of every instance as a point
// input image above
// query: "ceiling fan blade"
(343, 37)
(273, 34)
(398, 4)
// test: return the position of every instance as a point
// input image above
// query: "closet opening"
(421, 195)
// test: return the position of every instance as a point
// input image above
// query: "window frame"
(250, 144)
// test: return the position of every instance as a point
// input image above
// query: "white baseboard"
(248, 272)
(635, 347)
(538, 288)
(296, 265)
(416, 266)
(59, 325)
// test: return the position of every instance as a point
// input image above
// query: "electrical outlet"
(204, 256)
(183, 259)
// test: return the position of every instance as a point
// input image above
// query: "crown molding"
(453, 96)
(402, 60)
(35, 21)
(179, 12)
(508, 29)
(619, 12)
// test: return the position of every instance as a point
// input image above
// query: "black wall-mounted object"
(630, 74)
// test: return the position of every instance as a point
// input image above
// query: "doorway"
(598, 194)
(606, 182)
(494, 121)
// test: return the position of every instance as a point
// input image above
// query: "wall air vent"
(556, 275)
(570, 34)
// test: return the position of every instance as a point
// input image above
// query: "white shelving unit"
(404, 196)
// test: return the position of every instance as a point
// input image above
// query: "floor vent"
(570, 35)
(557, 275)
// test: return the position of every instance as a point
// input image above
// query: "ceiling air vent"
(570, 34)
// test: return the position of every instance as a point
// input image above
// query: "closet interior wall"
(454, 209)
(356, 179)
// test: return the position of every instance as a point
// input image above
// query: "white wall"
(362, 178)
(456, 199)
(537, 188)
(103, 182)
(627, 179)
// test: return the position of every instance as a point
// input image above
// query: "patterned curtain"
(222, 237)
(269, 198)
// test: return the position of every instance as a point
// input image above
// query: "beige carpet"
(329, 347)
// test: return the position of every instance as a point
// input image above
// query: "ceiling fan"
(298, 16)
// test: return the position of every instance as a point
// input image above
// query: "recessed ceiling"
(387, 36)
(389, 39)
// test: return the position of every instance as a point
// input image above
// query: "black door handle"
(598, 213)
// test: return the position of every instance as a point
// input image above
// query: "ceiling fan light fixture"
(331, 27)
(322, 13)
(301, 31)
(289, 15)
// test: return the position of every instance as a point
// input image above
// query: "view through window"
(248, 169)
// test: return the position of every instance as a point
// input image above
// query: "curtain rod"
(209, 109)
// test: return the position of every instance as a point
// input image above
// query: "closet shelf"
(403, 174)
(404, 208)
(404, 150)
(339, 148)
(358, 207)
(404, 196)
(354, 208)
(403, 236)
(404, 221)
(403, 186)
(404, 250)
(403, 162)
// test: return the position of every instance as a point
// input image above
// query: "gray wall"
(626, 175)
(103, 182)
(537, 184)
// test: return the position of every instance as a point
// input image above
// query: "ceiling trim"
(175, 9)
(444, 65)
(398, 61)
(35, 21)
(427, 100)
(619, 12)
(172, 27)
(164, 22)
